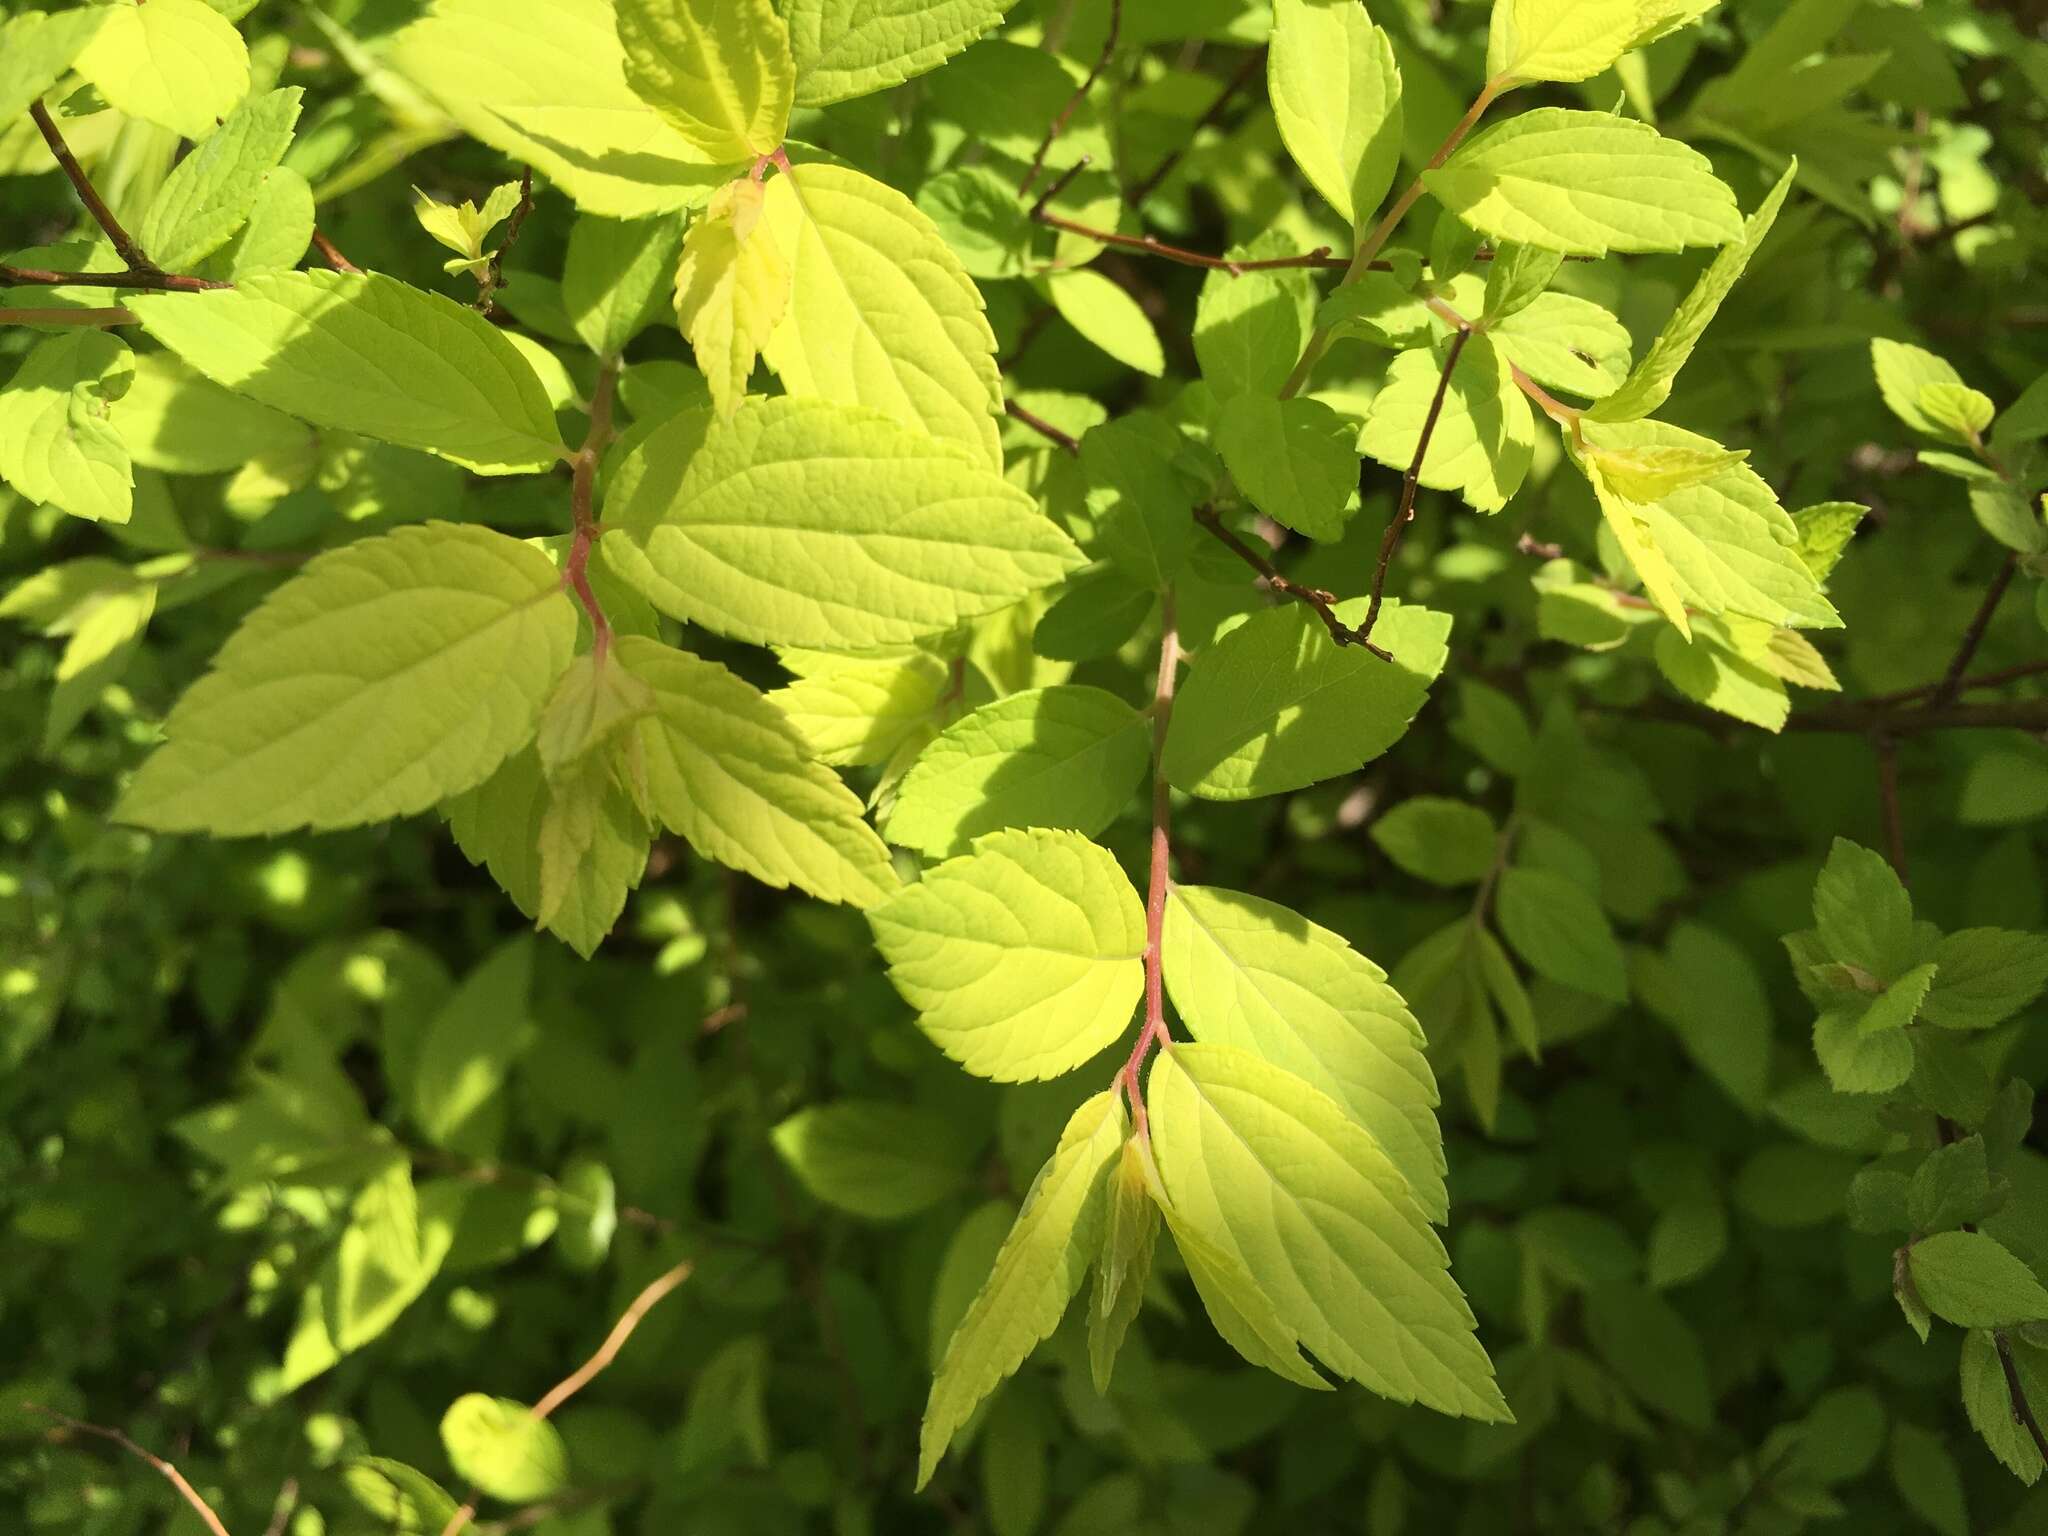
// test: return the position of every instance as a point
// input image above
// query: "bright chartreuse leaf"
(1276, 704)
(1250, 327)
(803, 522)
(544, 81)
(367, 354)
(874, 1159)
(1565, 40)
(881, 313)
(1585, 183)
(616, 277)
(1566, 343)
(1444, 841)
(1041, 1266)
(1649, 384)
(503, 1449)
(176, 63)
(725, 770)
(1557, 927)
(1517, 277)
(1251, 974)
(1645, 470)
(1108, 318)
(1975, 1281)
(1273, 1170)
(1023, 957)
(1336, 94)
(1922, 390)
(857, 710)
(58, 438)
(1722, 665)
(567, 851)
(398, 1498)
(719, 70)
(1722, 546)
(1485, 434)
(1862, 912)
(1294, 459)
(1067, 756)
(732, 289)
(212, 190)
(387, 676)
(848, 48)
(36, 49)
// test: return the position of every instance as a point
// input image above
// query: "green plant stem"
(1155, 1030)
(1375, 242)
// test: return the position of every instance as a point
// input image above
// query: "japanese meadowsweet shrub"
(853, 471)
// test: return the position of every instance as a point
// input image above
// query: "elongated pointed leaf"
(1323, 1221)
(388, 676)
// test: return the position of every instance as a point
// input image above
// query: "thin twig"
(1065, 441)
(1058, 124)
(1151, 245)
(581, 1377)
(582, 508)
(169, 1473)
(1321, 602)
(331, 254)
(2022, 1407)
(1952, 679)
(150, 281)
(1405, 513)
(1858, 717)
(494, 270)
(124, 243)
(79, 317)
(1144, 189)
(281, 1511)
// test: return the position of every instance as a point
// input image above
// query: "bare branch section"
(124, 243)
(1154, 1030)
(636, 1312)
(1058, 125)
(1322, 603)
(494, 272)
(169, 1473)
(1390, 542)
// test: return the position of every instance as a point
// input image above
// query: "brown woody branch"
(83, 317)
(124, 243)
(331, 254)
(1951, 683)
(1065, 441)
(149, 280)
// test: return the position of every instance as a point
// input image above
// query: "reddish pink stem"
(1155, 1030)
